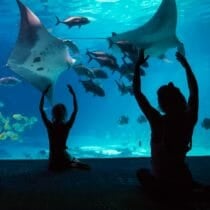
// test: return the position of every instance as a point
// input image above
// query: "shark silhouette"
(38, 57)
(158, 34)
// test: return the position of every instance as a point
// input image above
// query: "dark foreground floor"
(110, 185)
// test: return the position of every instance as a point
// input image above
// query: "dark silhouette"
(58, 130)
(171, 133)
(206, 123)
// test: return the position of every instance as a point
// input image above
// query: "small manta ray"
(38, 57)
(157, 35)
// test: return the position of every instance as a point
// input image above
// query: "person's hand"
(70, 89)
(47, 89)
(141, 57)
(181, 58)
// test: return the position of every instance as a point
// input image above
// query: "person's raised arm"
(192, 85)
(41, 106)
(141, 99)
(75, 105)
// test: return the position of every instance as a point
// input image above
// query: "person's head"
(59, 113)
(170, 99)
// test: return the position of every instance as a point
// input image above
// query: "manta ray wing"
(38, 57)
(158, 34)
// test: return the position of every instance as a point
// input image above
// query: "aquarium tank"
(92, 45)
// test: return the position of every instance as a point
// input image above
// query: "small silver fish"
(9, 81)
(74, 21)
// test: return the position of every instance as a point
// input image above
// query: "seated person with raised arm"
(58, 131)
(171, 133)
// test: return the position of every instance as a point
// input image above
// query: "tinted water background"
(96, 132)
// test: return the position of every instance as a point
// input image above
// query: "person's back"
(58, 130)
(171, 133)
(57, 134)
(170, 141)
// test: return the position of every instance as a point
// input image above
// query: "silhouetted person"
(58, 130)
(171, 133)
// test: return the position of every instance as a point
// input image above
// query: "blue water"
(96, 132)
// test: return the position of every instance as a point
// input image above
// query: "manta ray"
(38, 57)
(158, 34)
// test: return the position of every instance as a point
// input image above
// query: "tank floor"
(111, 184)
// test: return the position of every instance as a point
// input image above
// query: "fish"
(129, 77)
(91, 86)
(96, 53)
(73, 21)
(127, 70)
(83, 71)
(19, 117)
(43, 153)
(108, 62)
(124, 89)
(141, 119)
(9, 81)
(38, 57)
(123, 120)
(125, 46)
(133, 57)
(157, 35)
(206, 123)
(99, 74)
(72, 46)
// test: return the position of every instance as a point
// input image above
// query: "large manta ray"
(38, 57)
(158, 34)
